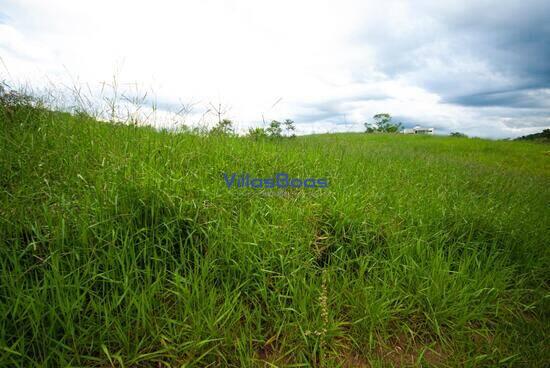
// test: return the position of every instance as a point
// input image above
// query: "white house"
(419, 130)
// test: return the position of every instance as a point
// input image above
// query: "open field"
(122, 246)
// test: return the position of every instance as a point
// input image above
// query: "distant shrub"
(257, 133)
(19, 106)
(83, 114)
(458, 135)
(183, 128)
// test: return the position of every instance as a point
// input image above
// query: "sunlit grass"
(123, 246)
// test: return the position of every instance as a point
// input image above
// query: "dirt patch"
(401, 351)
(351, 360)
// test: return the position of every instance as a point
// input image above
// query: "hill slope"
(123, 246)
(543, 136)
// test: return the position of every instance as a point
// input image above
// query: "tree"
(224, 126)
(290, 128)
(370, 128)
(382, 123)
(274, 130)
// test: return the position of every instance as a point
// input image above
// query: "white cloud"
(332, 65)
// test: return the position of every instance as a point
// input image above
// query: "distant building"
(419, 130)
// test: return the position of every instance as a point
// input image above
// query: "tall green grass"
(122, 246)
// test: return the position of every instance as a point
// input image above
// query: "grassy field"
(122, 246)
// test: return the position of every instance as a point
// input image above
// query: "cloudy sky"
(482, 68)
